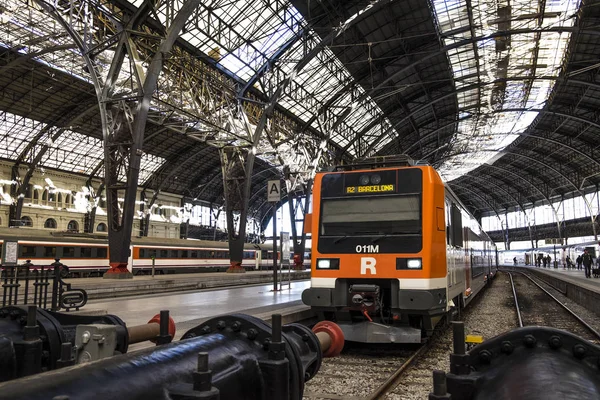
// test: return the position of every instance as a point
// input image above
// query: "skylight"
(501, 81)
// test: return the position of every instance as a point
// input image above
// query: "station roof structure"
(500, 96)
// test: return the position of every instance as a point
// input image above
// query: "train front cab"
(379, 257)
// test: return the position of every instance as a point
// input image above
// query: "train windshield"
(386, 215)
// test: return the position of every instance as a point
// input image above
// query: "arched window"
(68, 200)
(101, 227)
(50, 223)
(45, 195)
(26, 221)
(60, 199)
(73, 226)
(36, 196)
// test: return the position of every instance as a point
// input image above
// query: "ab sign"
(273, 191)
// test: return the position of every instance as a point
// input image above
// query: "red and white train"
(87, 255)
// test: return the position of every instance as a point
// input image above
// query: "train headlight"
(408, 263)
(328, 263)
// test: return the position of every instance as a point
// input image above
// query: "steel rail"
(390, 382)
(577, 317)
(512, 283)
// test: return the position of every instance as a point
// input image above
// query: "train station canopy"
(500, 96)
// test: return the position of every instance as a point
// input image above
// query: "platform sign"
(285, 248)
(273, 191)
(10, 253)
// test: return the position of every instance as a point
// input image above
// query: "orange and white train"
(393, 251)
(87, 255)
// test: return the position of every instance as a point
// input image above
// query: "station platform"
(573, 284)
(99, 288)
(190, 309)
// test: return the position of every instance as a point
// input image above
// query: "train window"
(85, 251)
(101, 252)
(68, 251)
(142, 253)
(457, 228)
(373, 215)
(184, 254)
(194, 254)
(164, 254)
(151, 253)
(174, 253)
(49, 251)
(27, 251)
(225, 254)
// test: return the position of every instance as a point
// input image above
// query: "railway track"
(362, 372)
(536, 306)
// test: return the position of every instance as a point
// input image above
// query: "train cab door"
(130, 260)
(257, 259)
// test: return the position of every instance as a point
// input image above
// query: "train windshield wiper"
(378, 238)
(340, 239)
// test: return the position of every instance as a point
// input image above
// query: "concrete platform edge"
(177, 285)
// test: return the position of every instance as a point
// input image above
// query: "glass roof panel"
(514, 72)
(67, 150)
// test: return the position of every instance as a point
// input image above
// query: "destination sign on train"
(370, 189)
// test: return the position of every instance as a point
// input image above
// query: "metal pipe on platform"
(239, 350)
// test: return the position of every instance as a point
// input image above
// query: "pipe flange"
(336, 335)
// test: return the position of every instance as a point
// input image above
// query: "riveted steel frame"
(123, 129)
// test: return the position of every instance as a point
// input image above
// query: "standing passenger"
(579, 260)
(544, 260)
(568, 262)
(587, 263)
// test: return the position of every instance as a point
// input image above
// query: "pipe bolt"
(252, 334)
(555, 342)
(266, 343)
(205, 330)
(236, 326)
(506, 347)
(579, 351)
(485, 356)
(221, 325)
(305, 337)
(530, 340)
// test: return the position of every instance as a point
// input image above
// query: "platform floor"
(98, 288)
(184, 307)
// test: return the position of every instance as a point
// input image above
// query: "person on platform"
(515, 260)
(586, 259)
(579, 260)
(568, 262)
